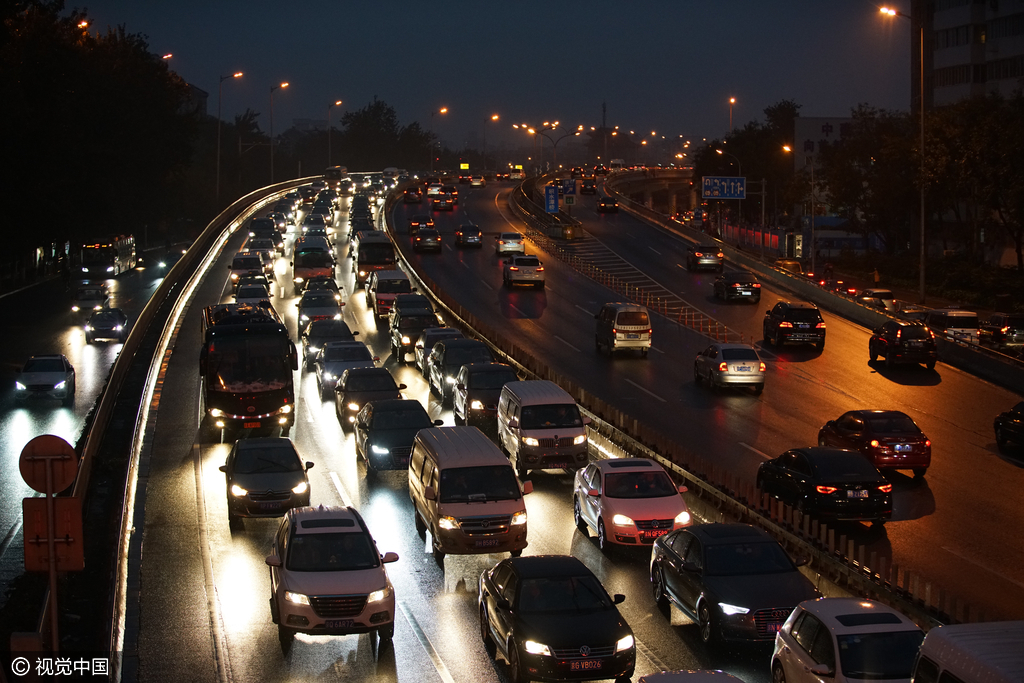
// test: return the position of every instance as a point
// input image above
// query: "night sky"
(666, 66)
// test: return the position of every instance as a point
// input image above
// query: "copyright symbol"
(20, 666)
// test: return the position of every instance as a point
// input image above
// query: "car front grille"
(578, 652)
(769, 621)
(269, 496)
(333, 606)
(401, 452)
(40, 387)
(563, 442)
(651, 524)
(482, 526)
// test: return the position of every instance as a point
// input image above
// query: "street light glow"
(888, 10)
(237, 74)
(494, 117)
(443, 110)
(285, 84)
(167, 56)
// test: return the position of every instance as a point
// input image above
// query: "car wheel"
(707, 625)
(602, 537)
(919, 472)
(689, 265)
(888, 361)
(88, 339)
(69, 400)
(766, 340)
(757, 389)
(516, 674)
(541, 285)
(485, 632)
(521, 470)
(778, 675)
(421, 528)
(696, 375)
(577, 516)
(286, 636)
(515, 553)
(438, 554)
(458, 420)
(386, 633)
(1000, 437)
(930, 365)
(872, 353)
(643, 353)
(232, 517)
(658, 588)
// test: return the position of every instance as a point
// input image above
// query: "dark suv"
(796, 322)
(1003, 331)
(406, 325)
(903, 341)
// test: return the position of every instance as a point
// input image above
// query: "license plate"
(487, 543)
(251, 425)
(338, 623)
(803, 326)
(857, 494)
(745, 293)
(773, 626)
(917, 345)
(585, 664)
(632, 336)
(902, 447)
(556, 465)
(653, 533)
(744, 368)
(270, 506)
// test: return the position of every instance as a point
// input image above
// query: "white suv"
(843, 640)
(327, 576)
(628, 501)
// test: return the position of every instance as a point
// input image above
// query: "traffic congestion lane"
(805, 390)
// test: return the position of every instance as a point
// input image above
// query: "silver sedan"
(721, 365)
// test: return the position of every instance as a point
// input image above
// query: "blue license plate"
(743, 368)
(902, 447)
(487, 543)
(632, 336)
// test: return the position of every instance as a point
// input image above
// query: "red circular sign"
(48, 451)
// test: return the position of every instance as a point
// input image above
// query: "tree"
(373, 138)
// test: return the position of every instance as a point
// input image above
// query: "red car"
(888, 438)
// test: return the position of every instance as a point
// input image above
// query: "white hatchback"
(510, 243)
(842, 640)
(628, 501)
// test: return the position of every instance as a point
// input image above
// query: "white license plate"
(745, 293)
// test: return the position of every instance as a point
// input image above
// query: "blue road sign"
(568, 186)
(723, 187)
(551, 198)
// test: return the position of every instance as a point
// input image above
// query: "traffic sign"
(551, 198)
(723, 187)
(568, 186)
(69, 548)
(570, 199)
(48, 451)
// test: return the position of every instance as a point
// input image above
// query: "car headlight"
(622, 520)
(732, 609)
(313, 349)
(117, 328)
(234, 276)
(75, 308)
(238, 491)
(377, 596)
(450, 380)
(530, 441)
(216, 412)
(303, 317)
(110, 269)
(61, 384)
(378, 450)
(683, 518)
(85, 269)
(296, 598)
(19, 386)
(285, 409)
(354, 407)
(301, 488)
(298, 280)
(535, 648)
(476, 405)
(405, 340)
(97, 307)
(624, 643)
(448, 523)
(88, 328)
(337, 316)
(582, 438)
(519, 518)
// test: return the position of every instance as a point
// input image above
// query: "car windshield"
(478, 484)
(632, 318)
(249, 362)
(880, 656)
(91, 294)
(402, 418)
(44, 365)
(742, 559)
(337, 552)
(266, 460)
(313, 259)
(562, 594)
(318, 299)
(550, 417)
(740, 354)
(845, 466)
(394, 286)
(476, 354)
(374, 382)
(890, 424)
(106, 318)
(342, 353)
(492, 379)
(638, 485)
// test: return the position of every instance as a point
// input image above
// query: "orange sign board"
(68, 542)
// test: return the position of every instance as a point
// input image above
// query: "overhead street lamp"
(272, 89)
(888, 11)
(732, 101)
(220, 90)
(442, 110)
(329, 107)
(494, 117)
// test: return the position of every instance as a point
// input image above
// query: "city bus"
(245, 367)
(110, 258)
(334, 175)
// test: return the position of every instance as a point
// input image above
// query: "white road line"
(951, 551)
(487, 285)
(584, 310)
(751, 448)
(650, 393)
(657, 350)
(569, 345)
(340, 489)
(439, 664)
(310, 418)
(655, 251)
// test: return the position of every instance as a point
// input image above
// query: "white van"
(464, 490)
(954, 323)
(989, 652)
(540, 427)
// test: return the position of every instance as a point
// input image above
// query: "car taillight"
(899, 333)
(763, 368)
(723, 367)
(697, 254)
(539, 268)
(874, 443)
(721, 255)
(826, 489)
(885, 488)
(757, 284)
(927, 443)
(736, 284)
(820, 326)
(785, 324)
(513, 268)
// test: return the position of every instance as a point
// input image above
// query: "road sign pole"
(51, 544)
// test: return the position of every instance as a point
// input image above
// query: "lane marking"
(339, 488)
(584, 310)
(654, 250)
(486, 284)
(439, 664)
(221, 653)
(751, 448)
(568, 344)
(649, 393)
(951, 551)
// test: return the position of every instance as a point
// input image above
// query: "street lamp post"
(920, 106)
(442, 110)
(220, 90)
(272, 89)
(739, 173)
(732, 101)
(494, 117)
(814, 252)
(329, 107)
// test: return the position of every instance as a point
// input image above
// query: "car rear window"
(632, 318)
(842, 466)
(740, 354)
(527, 262)
(804, 315)
(891, 424)
(915, 332)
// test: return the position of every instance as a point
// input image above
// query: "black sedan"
(384, 432)
(106, 323)
(738, 285)
(552, 620)
(734, 580)
(888, 438)
(427, 239)
(477, 388)
(1009, 426)
(359, 386)
(319, 332)
(265, 477)
(828, 483)
(607, 205)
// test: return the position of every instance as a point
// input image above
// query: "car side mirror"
(594, 493)
(355, 333)
(223, 468)
(767, 312)
(527, 487)
(428, 493)
(502, 604)
(438, 423)
(800, 561)
(586, 420)
(309, 465)
(402, 386)
(291, 263)
(618, 599)
(513, 423)
(389, 557)
(683, 489)
(460, 386)
(689, 566)
(273, 560)
(822, 670)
